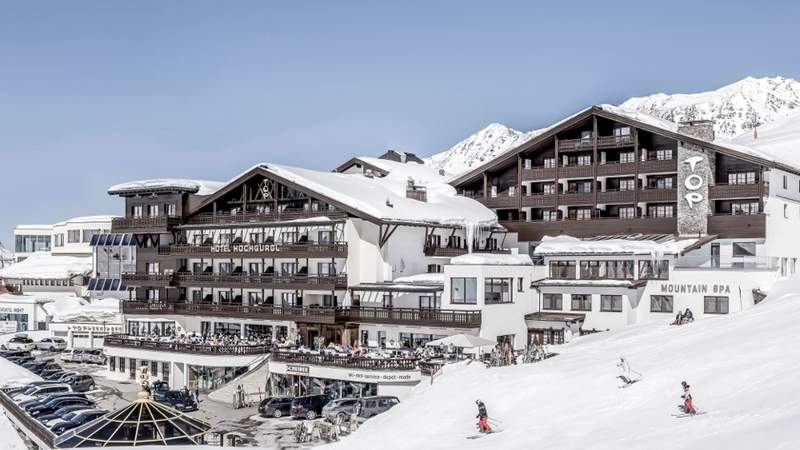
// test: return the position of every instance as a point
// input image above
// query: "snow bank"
(435, 278)
(742, 368)
(44, 265)
(77, 309)
(491, 259)
(554, 245)
(199, 187)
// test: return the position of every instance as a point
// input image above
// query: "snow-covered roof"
(589, 283)
(568, 245)
(641, 117)
(27, 227)
(491, 259)
(199, 187)
(385, 198)
(76, 309)
(424, 278)
(44, 265)
(88, 219)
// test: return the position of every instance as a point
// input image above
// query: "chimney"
(701, 129)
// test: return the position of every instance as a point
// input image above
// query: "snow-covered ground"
(742, 367)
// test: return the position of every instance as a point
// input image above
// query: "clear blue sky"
(94, 93)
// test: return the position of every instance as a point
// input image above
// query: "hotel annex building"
(606, 219)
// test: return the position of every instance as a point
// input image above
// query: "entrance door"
(714, 255)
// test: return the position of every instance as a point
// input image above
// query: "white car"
(41, 390)
(21, 342)
(74, 355)
(52, 344)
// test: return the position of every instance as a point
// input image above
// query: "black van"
(310, 406)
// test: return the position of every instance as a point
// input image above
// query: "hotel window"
(744, 208)
(429, 302)
(224, 238)
(288, 237)
(549, 189)
(627, 157)
(329, 301)
(657, 271)
(785, 181)
(744, 249)
(88, 234)
(584, 160)
(550, 215)
(325, 237)
(512, 191)
(388, 301)
(497, 290)
(224, 296)
(621, 131)
(611, 303)
(563, 270)
(225, 267)
(152, 294)
(288, 298)
(137, 211)
(627, 184)
(493, 191)
(715, 305)
(73, 236)
(152, 210)
(549, 163)
(520, 284)
(464, 291)
(661, 303)
(627, 212)
(435, 268)
(661, 210)
(288, 268)
(552, 301)
(581, 302)
(153, 268)
(659, 183)
(364, 338)
(580, 186)
(664, 154)
(326, 269)
(742, 178)
(171, 209)
(580, 214)
(527, 163)
(256, 238)
(197, 296)
(254, 298)
(619, 270)
(58, 240)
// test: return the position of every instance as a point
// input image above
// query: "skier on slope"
(629, 376)
(688, 405)
(483, 418)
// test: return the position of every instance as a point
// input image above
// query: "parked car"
(11, 392)
(52, 344)
(20, 360)
(309, 406)
(12, 353)
(56, 403)
(21, 342)
(80, 383)
(37, 366)
(61, 412)
(50, 365)
(76, 419)
(48, 397)
(372, 406)
(275, 406)
(339, 409)
(60, 374)
(38, 391)
(75, 355)
(93, 356)
(180, 400)
(51, 370)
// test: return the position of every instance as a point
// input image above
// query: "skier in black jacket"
(483, 418)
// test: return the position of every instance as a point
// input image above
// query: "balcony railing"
(121, 340)
(147, 279)
(614, 141)
(658, 195)
(136, 224)
(658, 165)
(609, 196)
(501, 200)
(270, 216)
(539, 200)
(722, 191)
(565, 145)
(415, 316)
(738, 226)
(256, 280)
(738, 263)
(450, 252)
(347, 362)
(539, 173)
(576, 198)
(534, 231)
(338, 249)
(615, 168)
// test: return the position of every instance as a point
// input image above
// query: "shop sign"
(292, 369)
(695, 288)
(8, 309)
(8, 326)
(693, 182)
(244, 248)
(377, 377)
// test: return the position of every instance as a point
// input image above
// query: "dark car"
(180, 400)
(50, 365)
(275, 407)
(76, 419)
(61, 412)
(80, 383)
(309, 407)
(20, 360)
(48, 397)
(16, 390)
(12, 353)
(60, 375)
(56, 403)
(372, 406)
(38, 366)
(50, 370)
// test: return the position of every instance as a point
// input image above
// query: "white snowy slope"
(734, 108)
(742, 368)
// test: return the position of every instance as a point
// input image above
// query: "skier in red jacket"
(483, 418)
(688, 405)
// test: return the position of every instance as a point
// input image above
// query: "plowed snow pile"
(744, 370)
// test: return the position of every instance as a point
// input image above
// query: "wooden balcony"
(502, 200)
(450, 252)
(658, 165)
(575, 145)
(615, 197)
(604, 142)
(534, 231)
(419, 317)
(347, 362)
(147, 279)
(658, 195)
(260, 217)
(160, 224)
(125, 341)
(576, 198)
(539, 200)
(616, 169)
(575, 172)
(726, 191)
(312, 314)
(539, 173)
(739, 226)
(243, 280)
(313, 250)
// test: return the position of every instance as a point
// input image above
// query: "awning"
(112, 239)
(556, 317)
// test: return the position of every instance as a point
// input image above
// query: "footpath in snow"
(742, 367)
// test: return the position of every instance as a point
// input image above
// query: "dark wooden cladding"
(534, 231)
(144, 224)
(258, 217)
(658, 195)
(726, 191)
(503, 200)
(121, 340)
(575, 172)
(206, 279)
(616, 169)
(313, 250)
(539, 201)
(264, 312)
(409, 316)
(539, 173)
(739, 226)
(576, 198)
(147, 279)
(615, 197)
(658, 165)
(575, 145)
(347, 362)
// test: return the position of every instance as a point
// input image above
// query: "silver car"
(339, 410)
(93, 356)
(52, 344)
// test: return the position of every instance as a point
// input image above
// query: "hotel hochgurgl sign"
(243, 248)
(695, 288)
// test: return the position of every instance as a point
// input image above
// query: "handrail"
(255, 216)
(208, 249)
(144, 222)
(339, 280)
(350, 362)
(121, 340)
